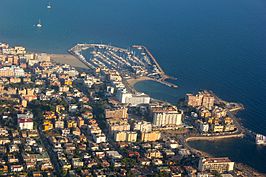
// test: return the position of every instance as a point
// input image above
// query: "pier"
(151, 56)
(161, 71)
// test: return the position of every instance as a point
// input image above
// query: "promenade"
(214, 137)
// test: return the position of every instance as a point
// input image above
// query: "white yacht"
(39, 24)
(49, 6)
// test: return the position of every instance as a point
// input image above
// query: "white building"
(139, 99)
(19, 72)
(12, 71)
(25, 123)
(143, 126)
(114, 154)
(204, 127)
(110, 89)
(133, 99)
(89, 81)
(59, 124)
(172, 144)
(99, 138)
(123, 96)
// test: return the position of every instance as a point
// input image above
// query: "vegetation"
(129, 162)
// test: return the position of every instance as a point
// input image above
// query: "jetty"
(151, 56)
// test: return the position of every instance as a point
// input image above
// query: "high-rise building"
(166, 116)
(204, 99)
(128, 136)
(118, 125)
(120, 136)
(132, 136)
(132, 99)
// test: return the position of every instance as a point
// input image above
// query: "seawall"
(211, 138)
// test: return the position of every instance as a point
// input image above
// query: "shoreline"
(77, 63)
(238, 165)
(133, 81)
(68, 59)
(213, 138)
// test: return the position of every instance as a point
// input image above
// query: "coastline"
(77, 63)
(133, 81)
(238, 165)
(212, 138)
(68, 59)
(240, 133)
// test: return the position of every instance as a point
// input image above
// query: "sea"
(218, 45)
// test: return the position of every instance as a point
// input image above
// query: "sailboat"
(39, 25)
(49, 6)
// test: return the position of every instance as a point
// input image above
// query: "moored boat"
(260, 139)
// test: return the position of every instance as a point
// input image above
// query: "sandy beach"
(133, 81)
(68, 59)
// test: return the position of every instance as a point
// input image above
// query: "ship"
(39, 25)
(49, 6)
(260, 139)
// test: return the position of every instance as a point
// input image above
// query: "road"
(51, 153)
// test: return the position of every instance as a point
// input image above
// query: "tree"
(129, 162)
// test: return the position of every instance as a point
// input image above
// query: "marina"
(134, 62)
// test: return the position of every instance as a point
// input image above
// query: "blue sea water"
(208, 44)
